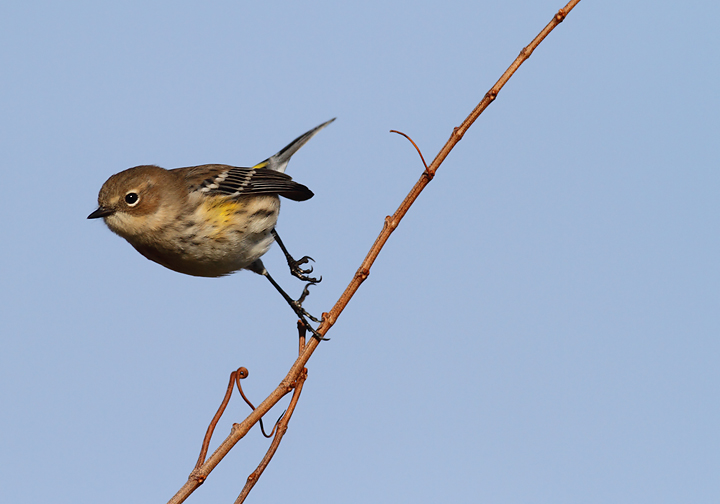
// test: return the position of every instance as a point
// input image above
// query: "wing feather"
(237, 182)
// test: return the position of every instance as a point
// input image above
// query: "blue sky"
(542, 327)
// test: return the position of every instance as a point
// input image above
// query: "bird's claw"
(304, 314)
(302, 273)
(297, 304)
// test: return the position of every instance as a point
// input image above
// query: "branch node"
(457, 133)
(329, 319)
(362, 274)
(560, 16)
(197, 476)
(393, 223)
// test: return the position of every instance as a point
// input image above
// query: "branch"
(293, 378)
(282, 427)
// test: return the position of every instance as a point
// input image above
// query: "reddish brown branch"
(457, 134)
(391, 222)
(282, 427)
(414, 145)
(234, 376)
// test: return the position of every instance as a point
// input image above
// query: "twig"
(414, 145)
(235, 375)
(282, 427)
(282, 424)
(391, 222)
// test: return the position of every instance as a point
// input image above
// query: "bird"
(209, 220)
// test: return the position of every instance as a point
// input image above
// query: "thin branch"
(391, 222)
(235, 376)
(282, 427)
(422, 158)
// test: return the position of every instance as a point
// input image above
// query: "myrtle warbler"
(209, 220)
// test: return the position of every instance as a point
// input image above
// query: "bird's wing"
(236, 182)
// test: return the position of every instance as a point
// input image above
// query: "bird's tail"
(279, 161)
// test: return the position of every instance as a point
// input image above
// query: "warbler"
(208, 220)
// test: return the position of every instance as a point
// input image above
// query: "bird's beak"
(101, 212)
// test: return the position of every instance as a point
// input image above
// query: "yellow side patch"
(219, 212)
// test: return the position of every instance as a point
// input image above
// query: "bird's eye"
(132, 198)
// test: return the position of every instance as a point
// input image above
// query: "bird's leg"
(296, 305)
(295, 269)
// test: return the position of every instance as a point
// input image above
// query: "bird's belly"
(217, 241)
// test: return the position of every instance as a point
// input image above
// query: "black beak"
(100, 212)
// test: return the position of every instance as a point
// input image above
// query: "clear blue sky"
(542, 328)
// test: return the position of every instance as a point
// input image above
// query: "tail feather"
(279, 161)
